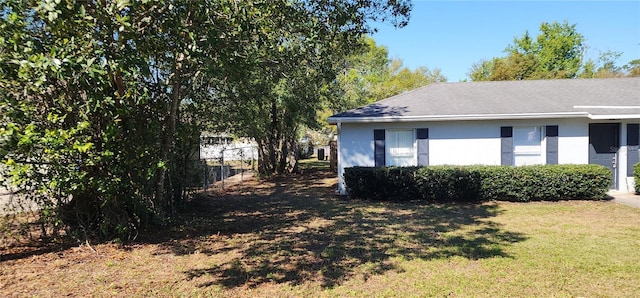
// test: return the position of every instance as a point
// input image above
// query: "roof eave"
(335, 120)
(614, 117)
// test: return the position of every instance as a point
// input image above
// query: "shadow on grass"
(296, 230)
(34, 250)
(313, 164)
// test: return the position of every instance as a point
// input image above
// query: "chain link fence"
(227, 163)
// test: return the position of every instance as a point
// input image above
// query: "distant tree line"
(558, 52)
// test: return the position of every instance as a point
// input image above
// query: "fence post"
(241, 164)
(205, 181)
(222, 169)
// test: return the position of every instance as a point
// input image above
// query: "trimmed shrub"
(387, 183)
(544, 182)
(636, 177)
(448, 183)
(479, 183)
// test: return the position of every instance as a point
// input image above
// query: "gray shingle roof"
(593, 98)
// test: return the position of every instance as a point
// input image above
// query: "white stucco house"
(578, 121)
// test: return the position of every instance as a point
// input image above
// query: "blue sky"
(453, 35)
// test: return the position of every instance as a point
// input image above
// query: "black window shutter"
(506, 145)
(552, 144)
(378, 149)
(422, 138)
(633, 147)
(633, 134)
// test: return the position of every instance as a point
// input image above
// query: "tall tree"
(361, 75)
(633, 68)
(370, 75)
(102, 100)
(93, 92)
(400, 79)
(604, 67)
(556, 53)
(294, 72)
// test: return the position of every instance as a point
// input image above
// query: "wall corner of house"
(341, 191)
(630, 185)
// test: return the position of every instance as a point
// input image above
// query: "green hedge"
(448, 183)
(479, 183)
(387, 183)
(636, 177)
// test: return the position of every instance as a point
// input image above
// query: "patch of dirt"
(207, 233)
(281, 236)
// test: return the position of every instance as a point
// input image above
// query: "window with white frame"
(527, 145)
(400, 148)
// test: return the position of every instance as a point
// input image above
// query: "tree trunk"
(168, 141)
(277, 155)
(277, 143)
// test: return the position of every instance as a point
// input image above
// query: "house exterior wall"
(241, 150)
(476, 142)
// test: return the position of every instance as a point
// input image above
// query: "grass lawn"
(294, 237)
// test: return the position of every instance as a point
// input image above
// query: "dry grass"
(293, 237)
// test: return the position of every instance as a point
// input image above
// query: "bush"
(388, 183)
(448, 183)
(636, 177)
(479, 183)
(544, 182)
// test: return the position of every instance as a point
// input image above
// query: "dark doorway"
(604, 141)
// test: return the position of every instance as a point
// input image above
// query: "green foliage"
(545, 182)
(401, 79)
(636, 177)
(633, 68)
(369, 75)
(76, 130)
(556, 53)
(479, 183)
(362, 74)
(448, 183)
(605, 67)
(102, 102)
(385, 183)
(436, 183)
(291, 73)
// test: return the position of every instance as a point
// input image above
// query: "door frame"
(617, 145)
